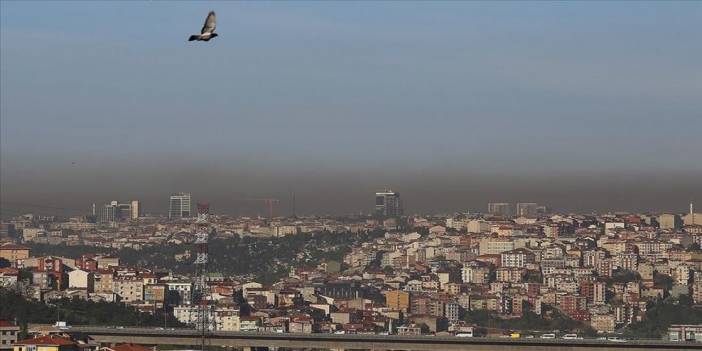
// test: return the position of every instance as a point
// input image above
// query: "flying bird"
(208, 29)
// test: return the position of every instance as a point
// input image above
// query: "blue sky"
(376, 92)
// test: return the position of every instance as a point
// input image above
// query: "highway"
(189, 337)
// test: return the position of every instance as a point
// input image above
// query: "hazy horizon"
(578, 106)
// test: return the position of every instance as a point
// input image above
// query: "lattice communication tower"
(204, 323)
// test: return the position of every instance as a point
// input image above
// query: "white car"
(464, 335)
(548, 336)
(615, 339)
(570, 337)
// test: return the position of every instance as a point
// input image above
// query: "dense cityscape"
(350, 175)
(515, 270)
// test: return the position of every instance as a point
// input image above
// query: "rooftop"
(47, 340)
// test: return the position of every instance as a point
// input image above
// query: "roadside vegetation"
(14, 307)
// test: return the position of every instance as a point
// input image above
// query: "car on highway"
(570, 337)
(548, 336)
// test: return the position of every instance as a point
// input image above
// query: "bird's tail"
(194, 37)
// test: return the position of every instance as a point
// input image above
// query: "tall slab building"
(388, 204)
(179, 206)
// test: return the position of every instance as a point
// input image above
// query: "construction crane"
(270, 202)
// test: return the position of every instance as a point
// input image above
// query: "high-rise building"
(136, 209)
(527, 209)
(179, 206)
(669, 221)
(125, 211)
(388, 204)
(502, 209)
(115, 211)
(109, 213)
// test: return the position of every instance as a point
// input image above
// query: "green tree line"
(264, 259)
(14, 307)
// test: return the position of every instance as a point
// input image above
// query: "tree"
(664, 313)
(75, 311)
(552, 319)
(424, 328)
(625, 276)
(663, 281)
(25, 275)
(263, 259)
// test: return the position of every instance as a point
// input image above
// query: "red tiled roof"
(47, 340)
(6, 323)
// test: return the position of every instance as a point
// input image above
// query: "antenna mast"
(201, 296)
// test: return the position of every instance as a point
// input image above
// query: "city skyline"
(286, 208)
(538, 276)
(454, 105)
(350, 174)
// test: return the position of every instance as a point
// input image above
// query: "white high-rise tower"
(179, 206)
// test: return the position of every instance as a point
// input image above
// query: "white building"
(495, 246)
(457, 223)
(227, 319)
(476, 226)
(129, 290)
(179, 206)
(136, 210)
(80, 279)
(473, 273)
(518, 258)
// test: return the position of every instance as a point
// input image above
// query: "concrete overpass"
(189, 337)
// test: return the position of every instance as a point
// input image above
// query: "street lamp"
(58, 311)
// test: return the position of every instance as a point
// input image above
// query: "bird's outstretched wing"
(210, 23)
